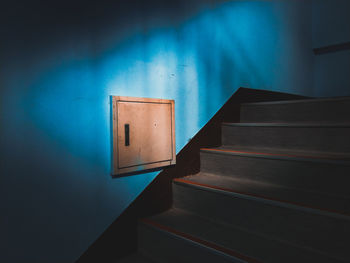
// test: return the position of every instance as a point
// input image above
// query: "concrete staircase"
(277, 190)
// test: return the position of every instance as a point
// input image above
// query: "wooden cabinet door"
(143, 134)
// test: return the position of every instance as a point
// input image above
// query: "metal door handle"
(127, 134)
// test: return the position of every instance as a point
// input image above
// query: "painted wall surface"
(61, 60)
(330, 22)
(331, 25)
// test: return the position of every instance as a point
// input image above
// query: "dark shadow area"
(332, 48)
(34, 26)
(141, 172)
(120, 239)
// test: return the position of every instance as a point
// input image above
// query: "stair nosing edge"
(319, 100)
(288, 124)
(264, 199)
(275, 156)
(216, 248)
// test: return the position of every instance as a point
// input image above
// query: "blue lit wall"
(60, 63)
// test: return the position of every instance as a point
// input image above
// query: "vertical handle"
(127, 134)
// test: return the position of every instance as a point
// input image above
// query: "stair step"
(314, 229)
(331, 110)
(240, 243)
(298, 136)
(157, 240)
(136, 258)
(324, 173)
(274, 192)
(286, 154)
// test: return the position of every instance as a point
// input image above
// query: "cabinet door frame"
(116, 170)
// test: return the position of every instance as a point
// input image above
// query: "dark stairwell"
(275, 191)
(61, 60)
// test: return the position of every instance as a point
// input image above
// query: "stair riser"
(297, 138)
(310, 176)
(161, 246)
(295, 226)
(275, 192)
(247, 243)
(328, 111)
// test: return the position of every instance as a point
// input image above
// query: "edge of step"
(309, 198)
(278, 155)
(263, 199)
(328, 99)
(254, 245)
(287, 124)
(204, 243)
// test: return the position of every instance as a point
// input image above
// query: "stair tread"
(322, 111)
(289, 124)
(135, 258)
(197, 229)
(315, 200)
(252, 246)
(305, 208)
(282, 153)
(328, 99)
(309, 137)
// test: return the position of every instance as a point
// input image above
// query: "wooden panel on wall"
(143, 134)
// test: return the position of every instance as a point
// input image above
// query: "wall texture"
(330, 26)
(61, 60)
